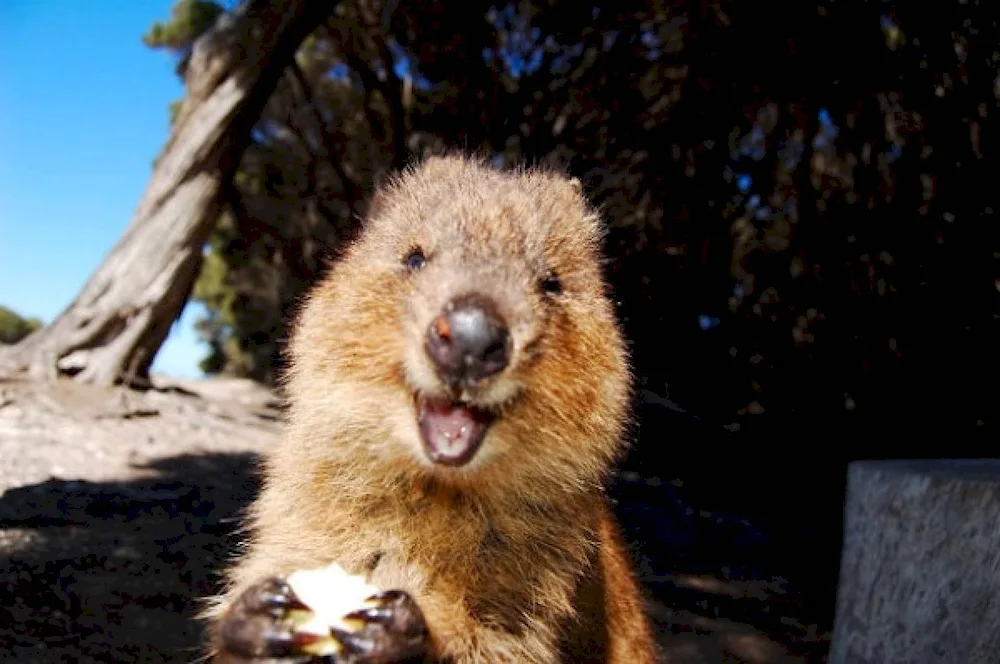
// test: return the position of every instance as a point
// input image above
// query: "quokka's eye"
(551, 284)
(414, 259)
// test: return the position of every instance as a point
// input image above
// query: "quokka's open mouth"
(451, 431)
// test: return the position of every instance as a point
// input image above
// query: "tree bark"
(113, 329)
(920, 573)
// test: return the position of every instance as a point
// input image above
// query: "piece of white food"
(330, 593)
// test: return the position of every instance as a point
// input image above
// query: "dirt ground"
(117, 508)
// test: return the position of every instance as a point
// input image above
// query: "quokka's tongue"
(451, 432)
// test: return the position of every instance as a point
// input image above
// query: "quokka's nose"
(468, 341)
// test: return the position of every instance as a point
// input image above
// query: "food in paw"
(331, 594)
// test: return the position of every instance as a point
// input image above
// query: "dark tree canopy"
(799, 197)
(800, 231)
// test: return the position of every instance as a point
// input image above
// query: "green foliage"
(13, 327)
(188, 20)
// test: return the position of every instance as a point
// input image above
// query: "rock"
(920, 573)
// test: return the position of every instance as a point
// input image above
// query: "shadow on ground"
(722, 586)
(100, 572)
(738, 544)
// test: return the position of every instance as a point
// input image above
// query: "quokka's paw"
(260, 625)
(323, 616)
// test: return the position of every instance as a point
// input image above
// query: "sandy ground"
(117, 508)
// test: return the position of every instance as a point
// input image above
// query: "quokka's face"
(476, 297)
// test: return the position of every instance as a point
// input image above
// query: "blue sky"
(83, 113)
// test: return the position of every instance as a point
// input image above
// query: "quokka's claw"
(371, 614)
(279, 598)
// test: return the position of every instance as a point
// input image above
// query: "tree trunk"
(920, 574)
(113, 329)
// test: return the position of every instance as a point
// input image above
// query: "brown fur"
(514, 557)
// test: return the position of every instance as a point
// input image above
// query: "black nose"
(468, 341)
